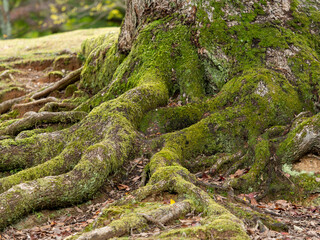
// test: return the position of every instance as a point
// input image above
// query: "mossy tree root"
(113, 124)
(171, 119)
(225, 160)
(303, 138)
(168, 175)
(27, 152)
(57, 106)
(134, 221)
(33, 119)
(218, 221)
(22, 108)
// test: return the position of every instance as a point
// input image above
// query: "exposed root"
(16, 103)
(31, 151)
(34, 119)
(128, 222)
(112, 142)
(152, 220)
(170, 119)
(237, 164)
(33, 106)
(61, 84)
(196, 199)
(6, 105)
(224, 160)
(302, 139)
(266, 211)
(57, 106)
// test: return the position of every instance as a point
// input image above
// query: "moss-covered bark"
(236, 76)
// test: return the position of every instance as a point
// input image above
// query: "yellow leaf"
(172, 201)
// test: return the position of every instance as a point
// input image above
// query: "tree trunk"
(244, 80)
(5, 19)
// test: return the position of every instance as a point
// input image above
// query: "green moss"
(305, 180)
(100, 66)
(255, 176)
(70, 90)
(251, 217)
(218, 229)
(92, 43)
(244, 45)
(165, 120)
(296, 137)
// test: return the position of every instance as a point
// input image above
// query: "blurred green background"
(35, 18)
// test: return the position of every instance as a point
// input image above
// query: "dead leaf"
(123, 187)
(136, 178)
(78, 210)
(253, 201)
(90, 221)
(238, 173)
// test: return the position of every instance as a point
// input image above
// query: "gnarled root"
(130, 222)
(218, 221)
(168, 175)
(111, 138)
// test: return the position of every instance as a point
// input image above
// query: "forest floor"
(30, 64)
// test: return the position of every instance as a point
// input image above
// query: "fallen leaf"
(238, 173)
(253, 201)
(136, 178)
(123, 187)
(78, 210)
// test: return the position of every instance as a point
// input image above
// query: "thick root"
(302, 139)
(114, 132)
(30, 151)
(219, 221)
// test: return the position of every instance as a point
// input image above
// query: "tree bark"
(5, 19)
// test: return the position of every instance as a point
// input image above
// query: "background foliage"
(34, 18)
